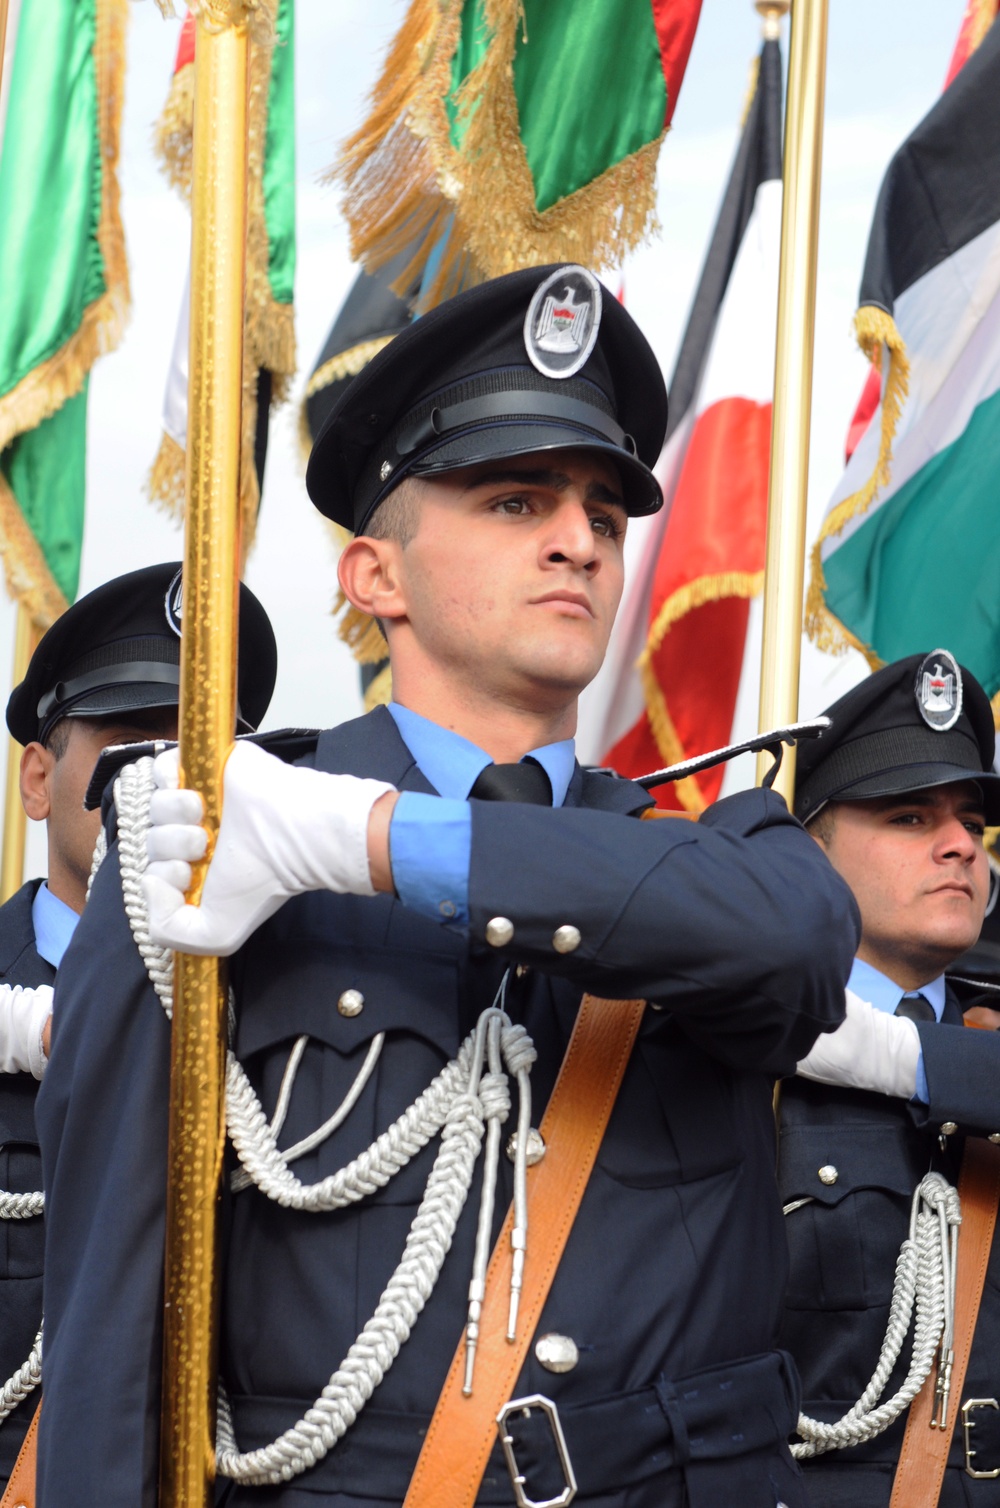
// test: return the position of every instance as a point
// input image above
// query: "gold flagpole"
(793, 369)
(15, 823)
(207, 717)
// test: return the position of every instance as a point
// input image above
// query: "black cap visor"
(920, 777)
(502, 440)
(120, 702)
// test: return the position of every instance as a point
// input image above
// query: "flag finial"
(771, 13)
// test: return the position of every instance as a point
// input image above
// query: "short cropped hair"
(397, 517)
(821, 826)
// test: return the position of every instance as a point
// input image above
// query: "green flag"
(64, 281)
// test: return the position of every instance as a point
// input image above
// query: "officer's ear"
(371, 579)
(37, 763)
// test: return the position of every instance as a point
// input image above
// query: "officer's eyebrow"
(558, 481)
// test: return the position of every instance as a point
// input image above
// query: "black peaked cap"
(460, 386)
(916, 723)
(117, 650)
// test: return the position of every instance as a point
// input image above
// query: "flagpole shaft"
(15, 823)
(207, 718)
(793, 373)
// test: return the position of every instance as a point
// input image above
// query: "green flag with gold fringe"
(63, 281)
(511, 133)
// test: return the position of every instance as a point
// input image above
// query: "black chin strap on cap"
(64, 693)
(437, 424)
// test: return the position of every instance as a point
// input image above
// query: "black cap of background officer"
(920, 722)
(543, 359)
(117, 651)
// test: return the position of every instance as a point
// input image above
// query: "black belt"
(721, 1414)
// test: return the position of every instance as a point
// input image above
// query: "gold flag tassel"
(877, 334)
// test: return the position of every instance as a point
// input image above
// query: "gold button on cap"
(828, 1173)
(994, 1137)
(499, 932)
(557, 1353)
(351, 1003)
(536, 1147)
(566, 939)
(948, 1128)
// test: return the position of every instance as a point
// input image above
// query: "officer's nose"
(570, 537)
(955, 841)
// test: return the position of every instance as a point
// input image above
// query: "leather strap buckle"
(524, 1407)
(968, 1425)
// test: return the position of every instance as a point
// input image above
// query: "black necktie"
(915, 1008)
(526, 782)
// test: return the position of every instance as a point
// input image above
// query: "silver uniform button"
(536, 1147)
(351, 1003)
(385, 471)
(557, 1353)
(948, 1128)
(499, 931)
(828, 1173)
(566, 939)
(994, 1137)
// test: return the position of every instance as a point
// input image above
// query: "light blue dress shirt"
(430, 837)
(884, 994)
(54, 923)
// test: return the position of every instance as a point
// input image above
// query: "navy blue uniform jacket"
(21, 1241)
(845, 1243)
(736, 927)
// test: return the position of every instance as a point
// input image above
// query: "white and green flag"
(909, 553)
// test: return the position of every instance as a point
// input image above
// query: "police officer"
(896, 795)
(105, 673)
(488, 462)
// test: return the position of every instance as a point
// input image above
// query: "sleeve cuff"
(430, 848)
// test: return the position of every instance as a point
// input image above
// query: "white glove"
(869, 1050)
(284, 830)
(23, 1014)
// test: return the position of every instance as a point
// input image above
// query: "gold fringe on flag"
(166, 482)
(379, 693)
(359, 632)
(403, 177)
(219, 15)
(876, 333)
(172, 134)
(984, 13)
(269, 332)
(692, 595)
(29, 580)
(53, 382)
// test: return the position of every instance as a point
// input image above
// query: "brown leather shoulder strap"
(20, 1490)
(463, 1430)
(924, 1453)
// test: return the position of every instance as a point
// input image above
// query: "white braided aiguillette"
(458, 1104)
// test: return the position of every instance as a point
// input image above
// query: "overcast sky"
(887, 62)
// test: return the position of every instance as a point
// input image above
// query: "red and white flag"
(669, 685)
